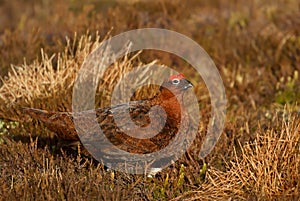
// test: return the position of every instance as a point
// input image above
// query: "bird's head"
(176, 84)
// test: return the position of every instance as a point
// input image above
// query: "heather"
(255, 46)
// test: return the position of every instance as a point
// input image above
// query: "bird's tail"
(59, 122)
(38, 114)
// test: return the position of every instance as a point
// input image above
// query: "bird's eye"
(175, 81)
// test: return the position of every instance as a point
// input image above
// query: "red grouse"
(169, 98)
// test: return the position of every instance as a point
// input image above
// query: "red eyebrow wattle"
(179, 76)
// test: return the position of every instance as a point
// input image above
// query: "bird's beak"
(188, 85)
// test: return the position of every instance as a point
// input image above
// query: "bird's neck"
(172, 104)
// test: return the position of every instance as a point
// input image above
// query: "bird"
(169, 98)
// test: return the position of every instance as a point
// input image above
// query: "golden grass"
(30, 84)
(48, 84)
(266, 168)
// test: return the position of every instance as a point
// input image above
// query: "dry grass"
(266, 168)
(255, 46)
(29, 85)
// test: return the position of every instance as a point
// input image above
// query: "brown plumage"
(62, 123)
